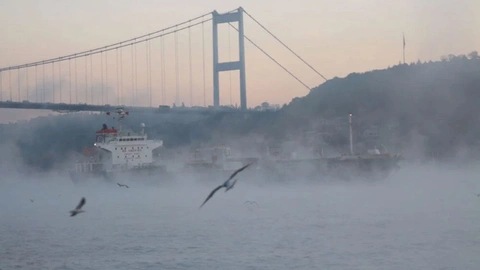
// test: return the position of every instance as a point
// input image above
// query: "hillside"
(437, 100)
(397, 89)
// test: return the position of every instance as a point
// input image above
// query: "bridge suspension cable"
(268, 55)
(294, 53)
(149, 36)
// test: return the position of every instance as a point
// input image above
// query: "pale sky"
(335, 37)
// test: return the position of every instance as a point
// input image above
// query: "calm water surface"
(428, 219)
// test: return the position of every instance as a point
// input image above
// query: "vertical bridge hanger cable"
(203, 69)
(177, 90)
(59, 81)
(70, 81)
(18, 84)
(86, 79)
(148, 71)
(162, 69)
(101, 75)
(76, 82)
(26, 85)
(135, 91)
(133, 73)
(230, 59)
(106, 78)
(53, 82)
(190, 63)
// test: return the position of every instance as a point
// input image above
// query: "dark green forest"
(438, 100)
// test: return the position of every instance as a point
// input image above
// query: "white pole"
(351, 136)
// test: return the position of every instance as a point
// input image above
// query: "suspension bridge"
(122, 74)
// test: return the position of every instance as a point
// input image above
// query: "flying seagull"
(78, 209)
(31, 200)
(227, 184)
(120, 185)
(251, 202)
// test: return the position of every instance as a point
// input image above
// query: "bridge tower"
(236, 16)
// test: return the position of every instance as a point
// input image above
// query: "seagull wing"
(80, 204)
(239, 170)
(211, 194)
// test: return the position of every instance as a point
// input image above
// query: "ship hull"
(296, 170)
(150, 176)
(333, 169)
(83, 178)
(218, 176)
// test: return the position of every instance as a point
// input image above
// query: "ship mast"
(120, 120)
(121, 114)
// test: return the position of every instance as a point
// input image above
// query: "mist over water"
(422, 217)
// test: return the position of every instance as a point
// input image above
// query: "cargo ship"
(119, 155)
(372, 165)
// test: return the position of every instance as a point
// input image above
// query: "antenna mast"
(121, 113)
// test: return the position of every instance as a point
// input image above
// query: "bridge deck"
(109, 108)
